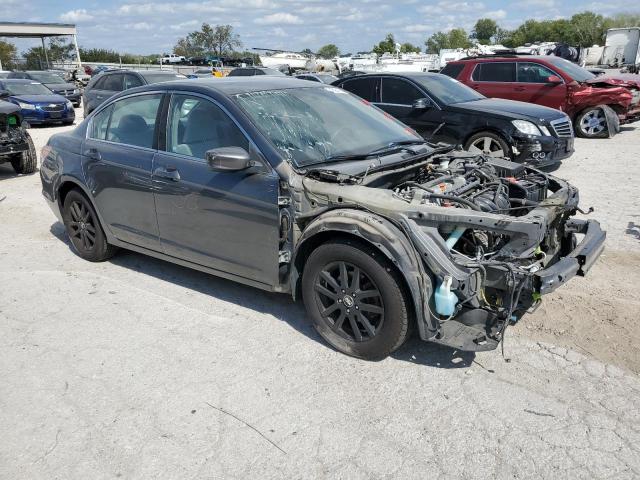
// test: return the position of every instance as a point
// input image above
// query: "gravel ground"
(137, 368)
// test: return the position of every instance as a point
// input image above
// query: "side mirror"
(228, 159)
(4, 94)
(421, 104)
(554, 79)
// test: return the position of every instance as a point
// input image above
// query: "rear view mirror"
(554, 79)
(421, 104)
(228, 159)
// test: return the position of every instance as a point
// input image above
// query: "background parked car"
(553, 82)
(442, 109)
(38, 104)
(318, 77)
(253, 71)
(16, 145)
(108, 83)
(53, 82)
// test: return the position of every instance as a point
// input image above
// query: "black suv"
(107, 84)
(442, 109)
(16, 145)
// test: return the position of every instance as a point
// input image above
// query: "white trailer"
(622, 48)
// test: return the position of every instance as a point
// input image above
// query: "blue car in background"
(38, 104)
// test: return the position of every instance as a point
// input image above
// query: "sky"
(144, 27)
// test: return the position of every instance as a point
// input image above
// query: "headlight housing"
(528, 128)
(544, 130)
(26, 106)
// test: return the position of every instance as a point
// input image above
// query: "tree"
(456, 38)
(408, 48)
(7, 54)
(218, 40)
(388, 45)
(587, 29)
(328, 51)
(484, 30)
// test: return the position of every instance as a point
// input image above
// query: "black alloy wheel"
(82, 227)
(351, 302)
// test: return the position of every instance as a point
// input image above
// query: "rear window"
(111, 82)
(495, 72)
(162, 77)
(452, 69)
(364, 87)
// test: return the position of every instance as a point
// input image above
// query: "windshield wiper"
(386, 150)
(395, 146)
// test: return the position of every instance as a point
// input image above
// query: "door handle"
(476, 86)
(93, 154)
(519, 89)
(170, 173)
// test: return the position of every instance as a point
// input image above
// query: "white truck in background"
(622, 48)
(171, 58)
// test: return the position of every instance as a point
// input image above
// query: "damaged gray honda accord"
(295, 187)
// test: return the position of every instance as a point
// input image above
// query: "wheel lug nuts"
(348, 311)
(339, 300)
(357, 308)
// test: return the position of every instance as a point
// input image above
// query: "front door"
(397, 97)
(533, 86)
(118, 156)
(227, 221)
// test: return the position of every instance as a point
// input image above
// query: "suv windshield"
(46, 77)
(576, 72)
(448, 90)
(315, 125)
(27, 89)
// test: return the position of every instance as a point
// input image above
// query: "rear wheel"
(355, 300)
(488, 143)
(592, 123)
(26, 162)
(84, 230)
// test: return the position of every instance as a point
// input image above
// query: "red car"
(597, 104)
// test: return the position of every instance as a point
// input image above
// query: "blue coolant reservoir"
(446, 300)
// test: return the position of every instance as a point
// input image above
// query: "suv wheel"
(84, 230)
(355, 300)
(488, 143)
(26, 162)
(592, 123)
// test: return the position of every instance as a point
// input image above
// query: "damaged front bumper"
(542, 151)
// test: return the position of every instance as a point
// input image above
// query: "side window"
(112, 82)
(197, 125)
(100, 124)
(495, 72)
(257, 71)
(99, 84)
(363, 87)
(533, 73)
(452, 69)
(133, 120)
(399, 92)
(131, 81)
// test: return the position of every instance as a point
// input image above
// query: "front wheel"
(488, 143)
(355, 299)
(592, 123)
(26, 162)
(84, 230)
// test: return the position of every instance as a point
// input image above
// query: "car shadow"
(278, 305)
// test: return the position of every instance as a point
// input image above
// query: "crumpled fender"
(588, 96)
(384, 236)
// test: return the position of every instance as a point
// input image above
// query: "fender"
(383, 236)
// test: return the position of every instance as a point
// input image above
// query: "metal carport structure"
(41, 31)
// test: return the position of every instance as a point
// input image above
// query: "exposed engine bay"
(487, 237)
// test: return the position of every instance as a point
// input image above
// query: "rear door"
(532, 85)
(365, 87)
(118, 155)
(494, 79)
(397, 96)
(227, 221)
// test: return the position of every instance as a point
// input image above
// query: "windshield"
(313, 125)
(27, 89)
(46, 77)
(576, 72)
(162, 77)
(447, 90)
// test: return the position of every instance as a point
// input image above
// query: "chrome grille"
(563, 128)
(53, 108)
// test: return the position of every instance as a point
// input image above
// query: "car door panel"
(119, 176)
(228, 221)
(494, 79)
(532, 86)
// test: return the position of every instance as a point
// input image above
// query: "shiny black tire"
(84, 229)
(26, 162)
(356, 300)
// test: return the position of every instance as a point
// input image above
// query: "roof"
(17, 80)
(35, 30)
(236, 85)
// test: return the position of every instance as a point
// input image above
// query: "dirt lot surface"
(136, 368)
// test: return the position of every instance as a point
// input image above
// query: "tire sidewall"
(394, 328)
(101, 247)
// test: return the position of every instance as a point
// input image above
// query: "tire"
(591, 123)
(84, 229)
(26, 162)
(488, 143)
(376, 299)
